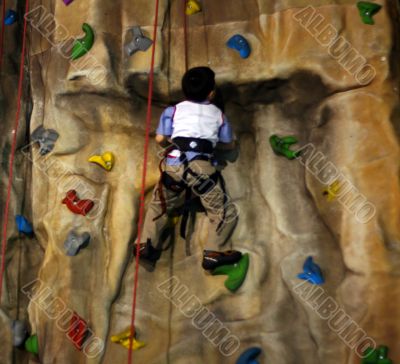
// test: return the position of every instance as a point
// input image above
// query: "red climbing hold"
(76, 205)
(78, 331)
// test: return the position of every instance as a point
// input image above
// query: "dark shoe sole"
(210, 263)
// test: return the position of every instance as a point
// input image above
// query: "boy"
(194, 127)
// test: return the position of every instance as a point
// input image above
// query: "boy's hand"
(227, 146)
(163, 140)
(227, 151)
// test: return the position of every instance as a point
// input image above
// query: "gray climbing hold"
(75, 242)
(138, 43)
(20, 332)
(46, 139)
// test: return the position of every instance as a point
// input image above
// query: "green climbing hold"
(32, 344)
(236, 273)
(281, 146)
(367, 11)
(83, 45)
(377, 356)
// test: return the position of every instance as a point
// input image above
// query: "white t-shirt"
(196, 120)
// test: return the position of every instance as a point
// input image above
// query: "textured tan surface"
(289, 86)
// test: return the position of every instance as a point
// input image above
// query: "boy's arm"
(165, 127)
(225, 136)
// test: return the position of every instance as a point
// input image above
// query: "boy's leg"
(220, 210)
(156, 218)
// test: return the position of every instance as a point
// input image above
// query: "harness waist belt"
(193, 145)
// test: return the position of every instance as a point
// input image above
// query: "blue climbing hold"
(311, 272)
(23, 225)
(75, 242)
(249, 356)
(11, 17)
(240, 44)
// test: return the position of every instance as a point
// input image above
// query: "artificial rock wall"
(296, 82)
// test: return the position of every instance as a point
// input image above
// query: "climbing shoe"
(148, 252)
(213, 259)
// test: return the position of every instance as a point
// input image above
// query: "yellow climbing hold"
(106, 160)
(192, 7)
(174, 220)
(123, 339)
(332, 191)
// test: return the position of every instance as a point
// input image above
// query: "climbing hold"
(32, 345)
(332, 191)
(77, 206)
(367, 11)
(173, 221)
(214, 259)
(83, 45)
(23, 225)
(75, 242)
(236, 273)
(11, 17)
(249, 356)
(67, 2)
(138, 43)
(311, 272)
(240, 44)
(78, 331)
(46, 139)
(377, 356)
(192, 7)
(123, 339)
(281, 146)
(106, 160)
(20, 332)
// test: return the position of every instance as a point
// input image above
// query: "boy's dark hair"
(197, 83)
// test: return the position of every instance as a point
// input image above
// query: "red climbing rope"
(12, 155)
(144, 174)
(185, 35)
(3, 26)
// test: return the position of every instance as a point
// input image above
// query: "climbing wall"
(295, 82)
(24, 253)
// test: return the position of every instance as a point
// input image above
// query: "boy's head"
(198, 83)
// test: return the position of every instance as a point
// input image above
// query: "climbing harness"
(203, 183)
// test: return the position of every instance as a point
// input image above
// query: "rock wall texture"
(339, 95)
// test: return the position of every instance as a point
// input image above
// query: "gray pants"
(220, 210)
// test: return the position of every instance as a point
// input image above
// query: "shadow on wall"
(296, 95)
